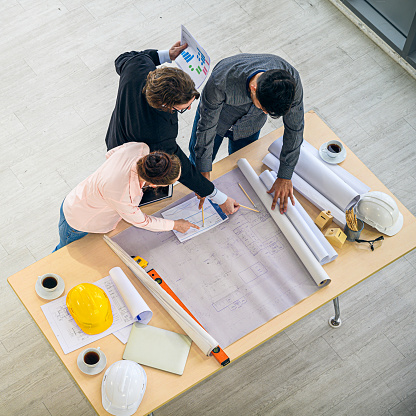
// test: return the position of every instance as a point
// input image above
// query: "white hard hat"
(380, 211)
(123, 387)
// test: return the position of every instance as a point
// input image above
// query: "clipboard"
(157, 348)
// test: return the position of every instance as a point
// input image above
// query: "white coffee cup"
(91, 357)
(333, 148)
(49, 281)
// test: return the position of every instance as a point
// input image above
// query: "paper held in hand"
(193, 60)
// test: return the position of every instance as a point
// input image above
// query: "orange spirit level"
(217, 352)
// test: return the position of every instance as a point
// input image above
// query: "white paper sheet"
(69, 334)
(193, 60)
(134, 302)
(233, 278)
(123, 334)
(189, 210)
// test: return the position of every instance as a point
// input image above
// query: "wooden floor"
(57, 91)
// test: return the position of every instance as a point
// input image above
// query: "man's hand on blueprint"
(230, 206)
(283, 190)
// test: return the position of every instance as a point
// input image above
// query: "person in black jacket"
(147, 106)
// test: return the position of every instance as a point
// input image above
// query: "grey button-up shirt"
(226, 102)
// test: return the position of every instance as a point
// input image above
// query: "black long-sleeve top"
(134, 120)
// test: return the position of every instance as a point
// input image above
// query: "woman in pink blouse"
(114, 191)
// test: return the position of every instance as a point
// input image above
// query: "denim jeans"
(67, 234)
(233, 146)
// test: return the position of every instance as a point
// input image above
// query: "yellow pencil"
(251, 209)
(203, 220)
(254, 205)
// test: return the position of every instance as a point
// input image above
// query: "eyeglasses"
(373, 243)
(181, 111)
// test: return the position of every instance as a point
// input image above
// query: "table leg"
(335, 321)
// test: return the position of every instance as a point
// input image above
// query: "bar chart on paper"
(193, 60)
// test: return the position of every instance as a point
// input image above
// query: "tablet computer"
(155, 194)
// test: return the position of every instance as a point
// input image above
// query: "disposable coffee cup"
(91, 357)
(49, 281)
(333, 148)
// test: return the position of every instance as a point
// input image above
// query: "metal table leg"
(335, 321)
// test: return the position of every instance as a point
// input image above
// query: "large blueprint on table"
(235, 277)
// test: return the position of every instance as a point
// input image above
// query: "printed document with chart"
(193, 60)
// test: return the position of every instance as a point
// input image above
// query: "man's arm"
(292, 139)
(158, 57)
(190, 176)
(212, 100)
(293, 123)
(195, 181)
(121, 61)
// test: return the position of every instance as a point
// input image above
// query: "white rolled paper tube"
(198, 334)
(134, 302)
(347, 177)
(306, 256)
(298, 222)
(309, 192)
(331, 253)
(205, 342)
(321, 178)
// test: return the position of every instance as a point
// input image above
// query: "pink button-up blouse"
(112, 193)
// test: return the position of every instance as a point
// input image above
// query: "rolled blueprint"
(321, 178)
(198, 334)
(347, 177)
(134, 302)
(304, 253)
(313, 237)
(308, 191)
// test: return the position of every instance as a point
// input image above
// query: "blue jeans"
(233, 146)
(67, 234)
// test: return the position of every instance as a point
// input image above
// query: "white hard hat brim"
(396, 227)
(116, 411)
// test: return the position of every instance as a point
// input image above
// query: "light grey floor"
(58, 88)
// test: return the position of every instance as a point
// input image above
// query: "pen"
(254, 205)
(203, 220)
(251, 209)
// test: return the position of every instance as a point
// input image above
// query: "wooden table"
(90, 259)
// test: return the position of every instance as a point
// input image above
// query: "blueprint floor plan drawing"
(233, 278)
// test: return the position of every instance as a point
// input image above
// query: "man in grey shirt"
(235, 101)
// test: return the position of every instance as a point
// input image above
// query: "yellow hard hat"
(90, 307)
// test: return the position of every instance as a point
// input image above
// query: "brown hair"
(159, 168)
(166, 87)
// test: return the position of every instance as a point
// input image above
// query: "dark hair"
(276, 91)
(166, 87)
(159, 168)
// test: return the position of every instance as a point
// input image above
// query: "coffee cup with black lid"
(333, 148)
(49, 281)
